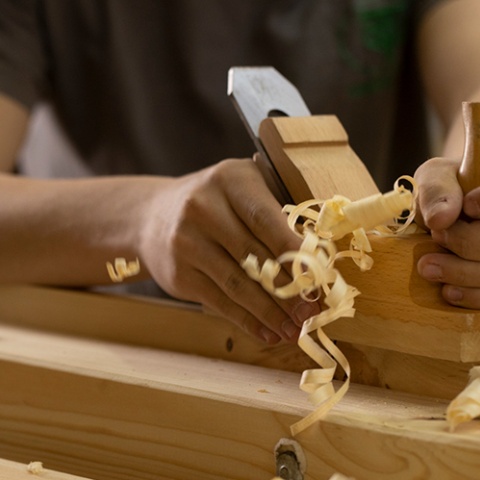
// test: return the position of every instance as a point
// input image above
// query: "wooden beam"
(176, 326)
(111, 411)
(405, 372)
(166, 324)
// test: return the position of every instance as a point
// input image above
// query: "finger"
(216, 301)
(265, 320)
(298, 309)
(462, 296)
(440, 196)
(463, 239)
(248, 294)
(256, 206)
(449, 269)
(228, 284)
(240, 238)
(471, 203)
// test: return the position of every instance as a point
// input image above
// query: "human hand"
(454, 222)
(201, 226)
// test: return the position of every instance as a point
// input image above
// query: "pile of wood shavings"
(314, 276)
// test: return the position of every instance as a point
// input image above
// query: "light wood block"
(111, 411)
(398, 310)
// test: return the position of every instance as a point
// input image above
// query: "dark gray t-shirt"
(139, 86)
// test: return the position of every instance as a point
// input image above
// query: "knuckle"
(257, 216)
(463, 247)
(236, 283)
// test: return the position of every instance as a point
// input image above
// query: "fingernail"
(453, 294)
(435, 211)
(432, 272)
(270, 337)
(303, 311)
(290, 329)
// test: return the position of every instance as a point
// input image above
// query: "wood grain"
(398, 310)
(170, 325)
(314, 159)
(110, 411)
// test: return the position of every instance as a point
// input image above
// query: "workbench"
(106, 387)
(122, 388)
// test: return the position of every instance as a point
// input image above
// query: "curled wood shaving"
(121, 269)
(466, 405)
(313, 275)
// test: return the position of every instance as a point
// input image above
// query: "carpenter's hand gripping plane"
(305, 157)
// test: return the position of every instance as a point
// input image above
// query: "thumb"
(440, 197)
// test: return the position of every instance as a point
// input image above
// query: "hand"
(198, 230)
(441, 202)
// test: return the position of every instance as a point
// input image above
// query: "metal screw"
(287, 466)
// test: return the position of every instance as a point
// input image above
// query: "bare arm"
(189, 233)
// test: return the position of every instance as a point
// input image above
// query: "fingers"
(240, 299)
(460, 278)
(459, 271)
(463, 239)
(220, 216)
(230, 293)
(232, 299)
(462, 296)
(440, 197)
(441, 202)
(262, 215)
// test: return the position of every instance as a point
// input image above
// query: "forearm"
(447, 49)
(63, 232)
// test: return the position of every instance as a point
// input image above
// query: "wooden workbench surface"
(111, 411)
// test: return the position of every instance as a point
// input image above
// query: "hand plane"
(304, 156)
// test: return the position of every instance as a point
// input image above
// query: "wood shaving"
(35, 468)
(466, 405)
(122, 269)
(320, 223)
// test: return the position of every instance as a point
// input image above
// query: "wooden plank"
(405, 372)
(18, 471)
(176, 327)
(165, 324)
(111, 411)
(403, 321)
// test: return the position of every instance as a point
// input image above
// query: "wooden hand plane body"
(311, 157)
